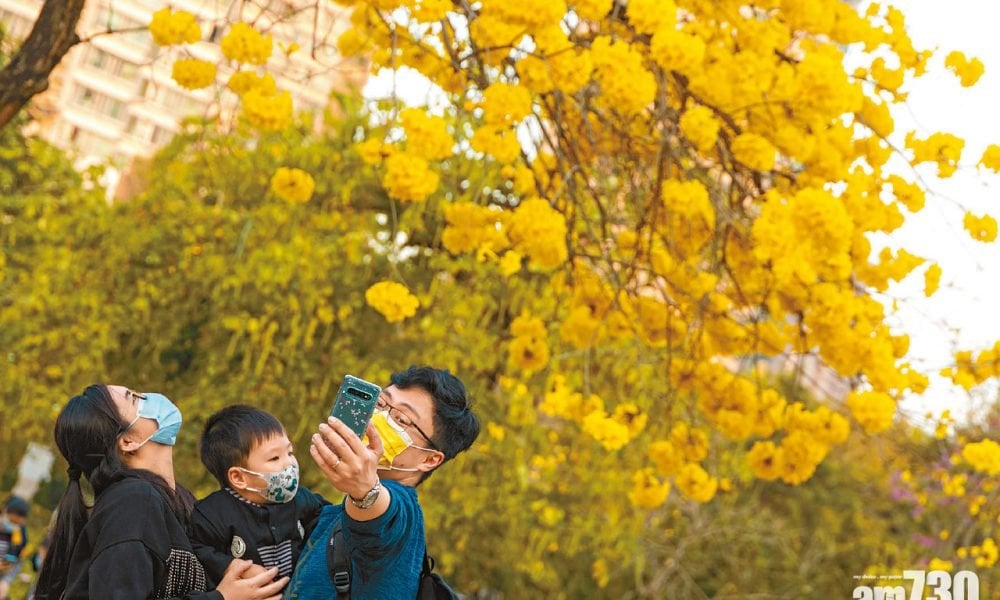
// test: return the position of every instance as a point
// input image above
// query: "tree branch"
(28, 72)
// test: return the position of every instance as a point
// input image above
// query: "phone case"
(355, 403)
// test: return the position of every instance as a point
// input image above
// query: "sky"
(963, 314)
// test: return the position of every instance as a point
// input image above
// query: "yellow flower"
(674, 50)
(393, 300)
(539, 231)
(699, 125)
(245, 44)
(170, 27)
(991, 158)
(983, 456)
(665, 456)
(932, 279)
(983, 229)
(610, 433)
(510, 263)
(765, 460)
(193, 74)
(580, 327)
(409, 178)
(937, 564)
(754, 151)
(647, 16)
(471, 227)
(500, 143)
(695, 483)
(294, 186)
(872, 410)
(268, 110)
(943, 148)
(244, 81)
(599, 573)
(505, 104)
(426, 136)
(627, 86)
(373, 151)
(647, 490)
(969, 70)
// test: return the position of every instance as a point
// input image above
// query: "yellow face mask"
(395, 439)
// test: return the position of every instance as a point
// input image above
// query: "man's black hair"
(229, 436)
(456, 427)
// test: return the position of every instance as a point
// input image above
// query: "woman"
(132, 542)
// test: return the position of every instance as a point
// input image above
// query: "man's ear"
(237, 478)
(432, 461)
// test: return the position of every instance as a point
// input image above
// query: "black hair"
(86, 433)
(16, 505)
(231, 434)
(456, 427)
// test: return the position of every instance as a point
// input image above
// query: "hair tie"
(74, 473)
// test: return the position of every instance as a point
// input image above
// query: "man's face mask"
(166, 414)
(395, 439)
(281, 485)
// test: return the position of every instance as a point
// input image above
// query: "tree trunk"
(28, 72)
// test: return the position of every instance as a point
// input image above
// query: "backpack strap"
(338, 563)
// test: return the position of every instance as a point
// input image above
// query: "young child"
(13, 539)
(261, 513)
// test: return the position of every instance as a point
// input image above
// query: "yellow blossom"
(245, 44)
(699, 125)
(968, 70)
(599, 573)
(539, 231)
(983, 456)
(426, 136)
(193, 74)
(610, 433)
(647, 489)
(294, 186)
(647, 16)
(754, 151)
(242, 82)
(765, 461)
(872, 410)
(393, 300)
(695, 483)
(409, 178)
(170, 27)
(991, 158)
(268, 110)
(373, 151)
(505, 104)
(983, 229)
(510, 263)
(932, 279)
(675, 50)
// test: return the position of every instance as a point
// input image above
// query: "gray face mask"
(281, 485)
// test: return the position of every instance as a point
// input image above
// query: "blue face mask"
(166, 414)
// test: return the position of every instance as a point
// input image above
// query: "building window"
(85, 97)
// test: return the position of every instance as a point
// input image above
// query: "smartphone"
(355, 403)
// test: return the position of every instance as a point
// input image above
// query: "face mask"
(395, 439)
(166, 414)
(281, 485)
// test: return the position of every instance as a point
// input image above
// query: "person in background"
(261, 513)
(13, 539)
(131, 542)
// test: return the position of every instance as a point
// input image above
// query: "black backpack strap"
(338, 563)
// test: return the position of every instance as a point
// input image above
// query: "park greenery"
(622, 224)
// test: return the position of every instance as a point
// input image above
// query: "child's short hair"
(230, 435)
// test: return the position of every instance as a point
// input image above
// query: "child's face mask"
(395, 439)
(281, 485)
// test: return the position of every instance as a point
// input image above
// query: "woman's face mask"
(281, 485)
(166, 414)
(395, 439)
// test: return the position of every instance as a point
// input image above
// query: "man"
(13, 539)
(421, 421)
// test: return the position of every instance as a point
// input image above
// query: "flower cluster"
(408, 177)
(267, 110)
(983, 456)
(170, 27)
(244, 44)
(539, 231)
(193, 74)
(968, 70)
(294, 186)
(393, 300)
(983, 228)
(529, 349)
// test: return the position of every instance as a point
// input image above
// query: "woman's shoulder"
(130, 496)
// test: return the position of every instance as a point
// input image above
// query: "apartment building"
(113, 97)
